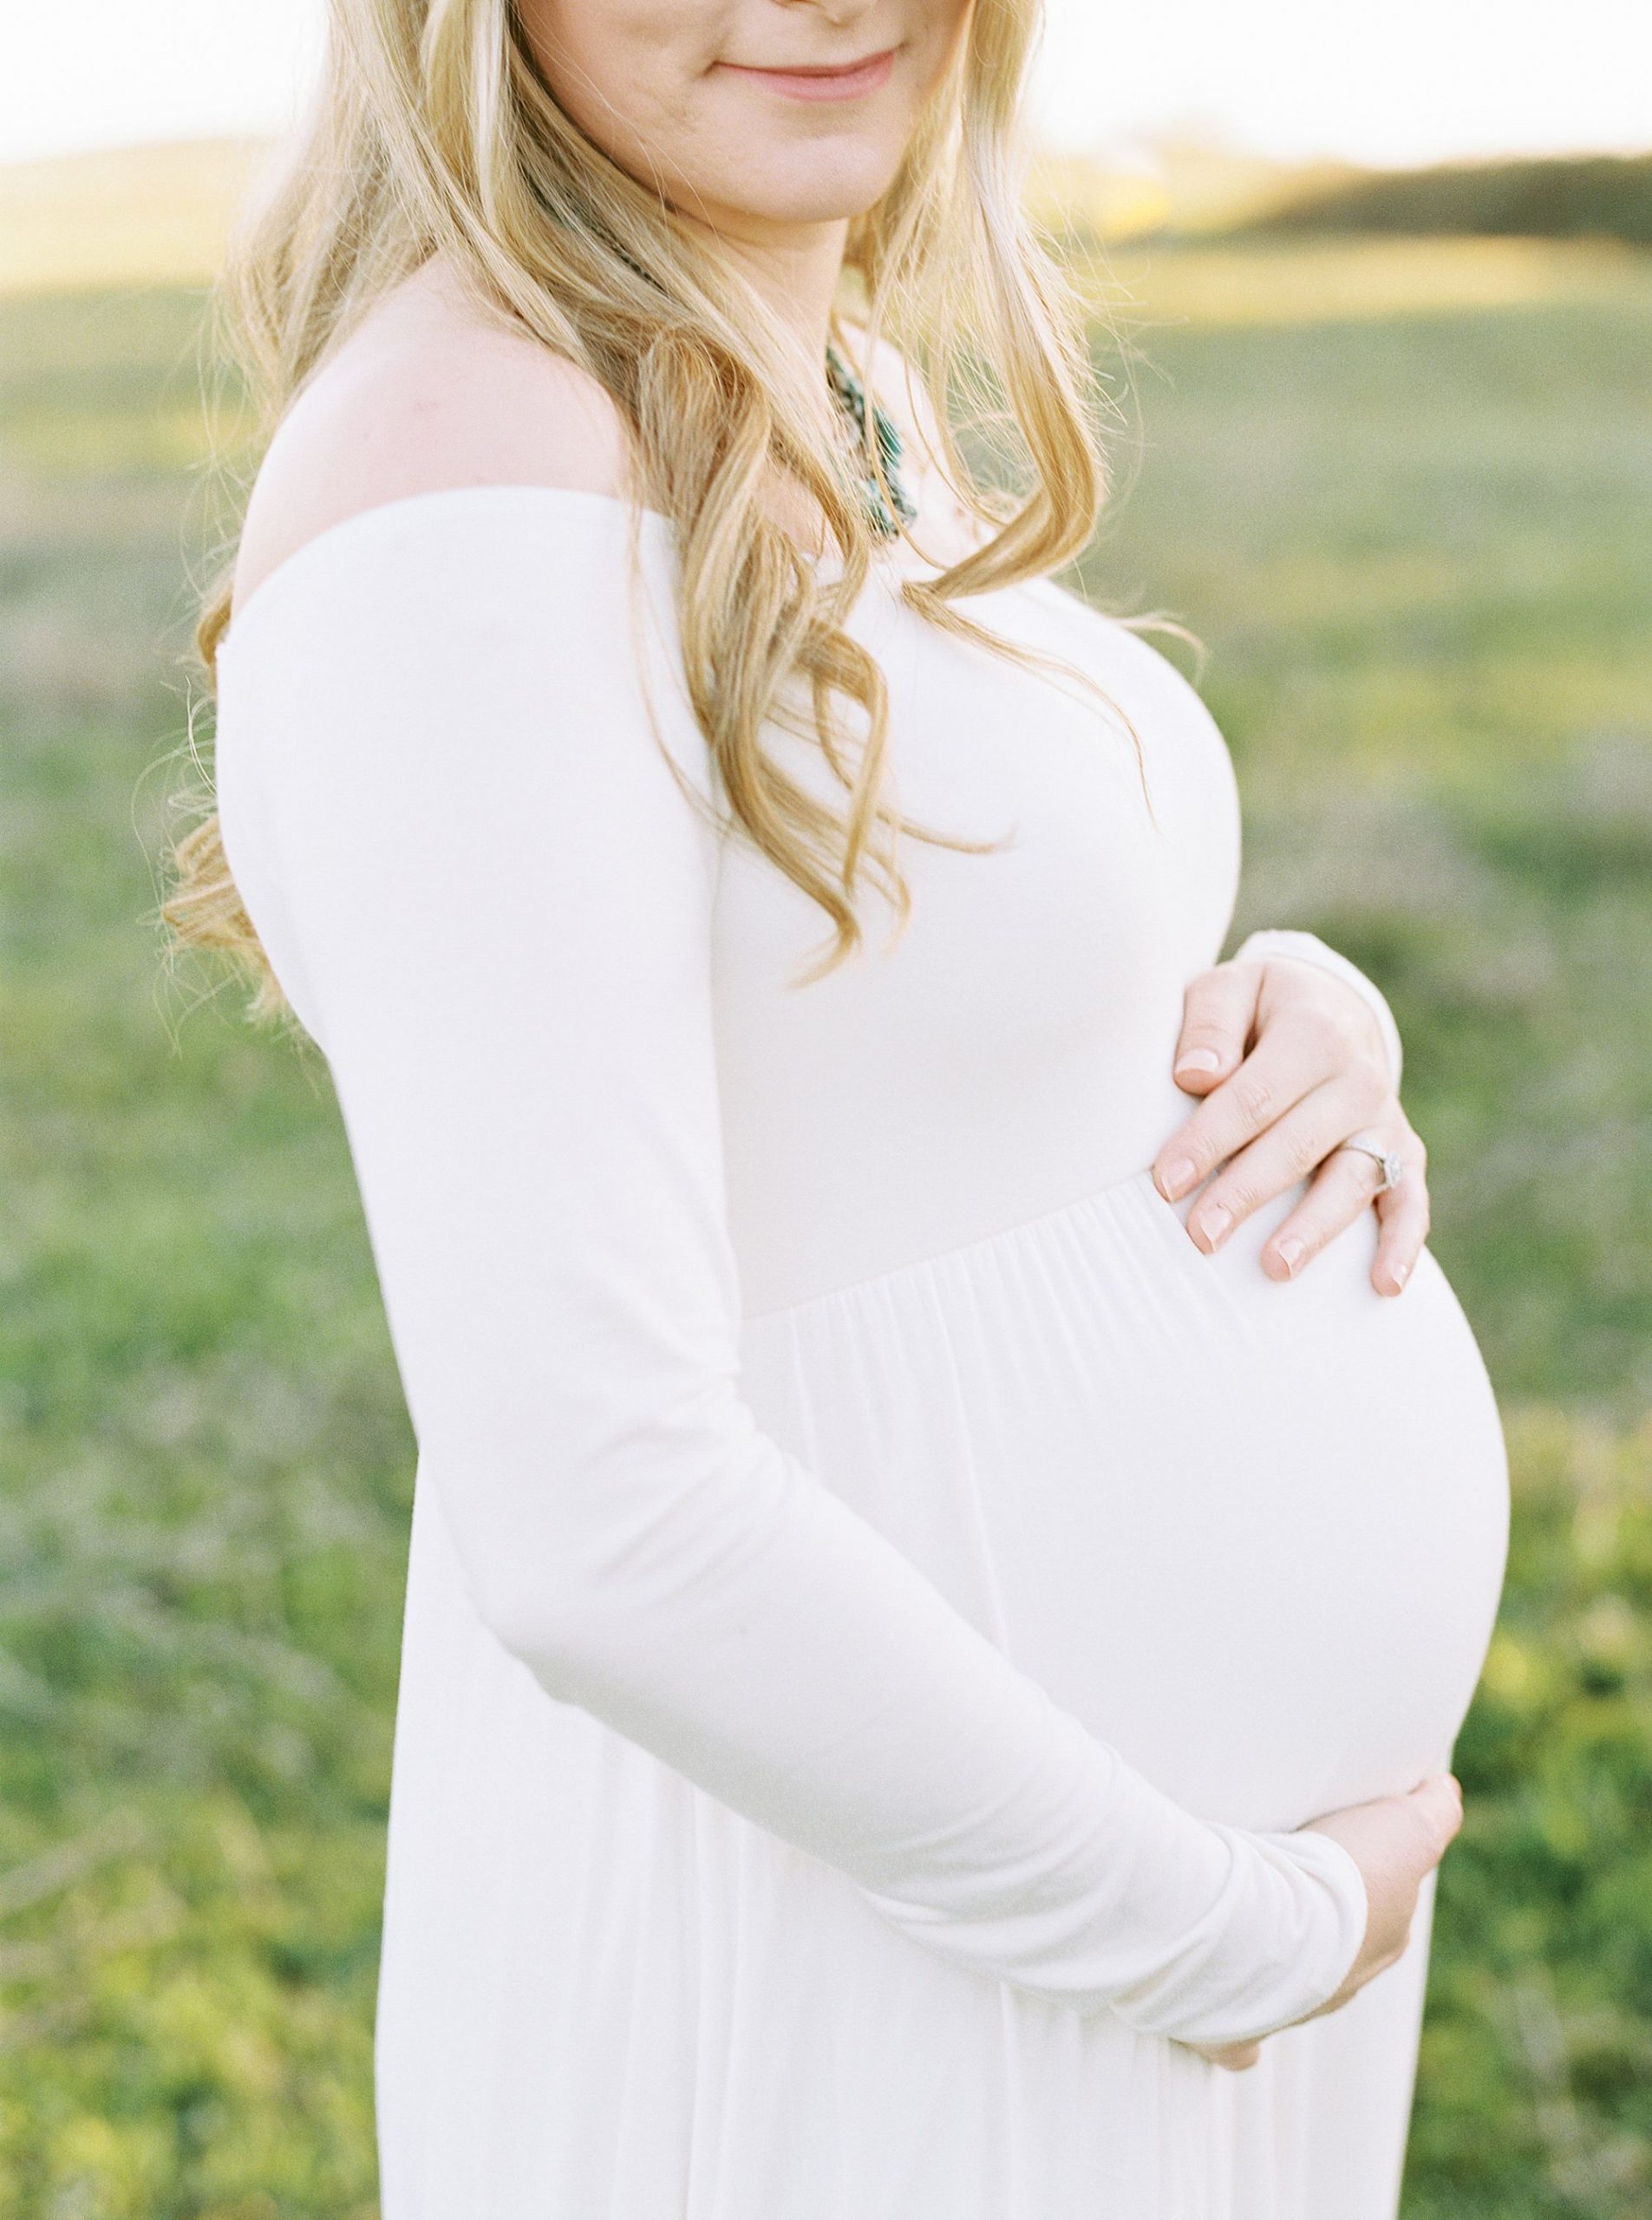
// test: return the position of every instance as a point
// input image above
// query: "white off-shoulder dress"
(881, 1600)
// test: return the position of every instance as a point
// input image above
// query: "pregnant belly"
(1253, 1535)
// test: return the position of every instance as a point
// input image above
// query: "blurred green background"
(1401, 487)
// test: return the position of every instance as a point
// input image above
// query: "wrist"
(1280, 942)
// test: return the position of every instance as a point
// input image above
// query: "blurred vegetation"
(123, 216)
(1189, 182)
(1415, 539)
(1584, 196)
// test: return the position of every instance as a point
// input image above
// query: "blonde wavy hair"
(436, 134)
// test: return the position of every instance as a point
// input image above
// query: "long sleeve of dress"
(490, 901)
(1308, 947)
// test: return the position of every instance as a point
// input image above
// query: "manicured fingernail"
(1398, 1274)
(1178, 1177)
(1200, 1059)
(1290, 1253)
(1215, 1223)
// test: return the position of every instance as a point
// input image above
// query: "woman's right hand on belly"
(1397, 1842)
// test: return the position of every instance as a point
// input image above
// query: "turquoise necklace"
(851, 397)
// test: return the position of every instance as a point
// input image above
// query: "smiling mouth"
(841, 81)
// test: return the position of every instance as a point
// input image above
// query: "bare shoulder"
(430, 392)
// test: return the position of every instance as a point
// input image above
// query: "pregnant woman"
(931, 1651)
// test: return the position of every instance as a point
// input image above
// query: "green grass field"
(1415, 532)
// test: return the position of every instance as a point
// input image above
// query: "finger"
(1218, 1011)
(1342, 1190)
(1275, 1076)
(1235, 2058)
(1286, 1154)
(1438, 1806)
(1403, 1217)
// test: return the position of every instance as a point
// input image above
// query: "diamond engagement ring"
(1393, 1167)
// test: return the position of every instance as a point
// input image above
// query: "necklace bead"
(851, 397)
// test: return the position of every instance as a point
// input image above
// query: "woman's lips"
(850, 83)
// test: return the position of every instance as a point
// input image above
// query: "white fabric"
(881, 1602)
